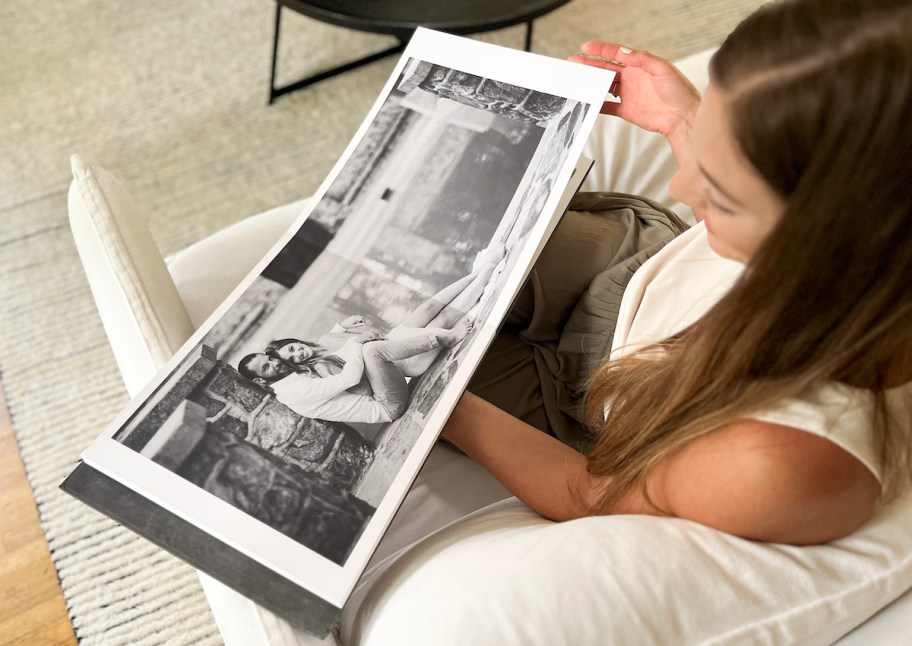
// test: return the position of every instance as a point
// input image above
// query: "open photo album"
(276, 446)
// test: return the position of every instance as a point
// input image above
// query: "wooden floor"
(32, 610)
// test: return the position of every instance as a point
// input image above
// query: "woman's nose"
(685, 188)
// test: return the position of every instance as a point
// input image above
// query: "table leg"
(335, 71)
(529, 36)
(275, 51)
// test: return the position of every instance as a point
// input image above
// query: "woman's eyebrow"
(716, 186)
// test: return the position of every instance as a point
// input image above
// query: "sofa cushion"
(201, 276)
(505, 575)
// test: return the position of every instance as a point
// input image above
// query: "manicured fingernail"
(626, 50)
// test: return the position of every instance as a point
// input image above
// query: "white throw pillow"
(202, 277)
(507, 576)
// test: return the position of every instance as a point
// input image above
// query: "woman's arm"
(351, 324)
(752, 479)
(345, 330)
(547, 475)
(543, 472)
(768, 482)
(323, 388)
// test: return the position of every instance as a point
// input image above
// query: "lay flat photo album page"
(279, 442)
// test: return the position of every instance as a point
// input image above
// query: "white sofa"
(503, 575)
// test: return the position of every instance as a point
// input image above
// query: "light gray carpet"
(170, 96)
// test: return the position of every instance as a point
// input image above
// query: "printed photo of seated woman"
(355, 374)
(358, 383)
(443, 313)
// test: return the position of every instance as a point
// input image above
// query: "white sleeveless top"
(678, 285)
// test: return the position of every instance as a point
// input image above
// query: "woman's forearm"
(547, 475)
(351, 372)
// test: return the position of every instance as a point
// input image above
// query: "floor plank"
(32, 609)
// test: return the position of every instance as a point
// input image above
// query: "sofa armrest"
(148, 307)
(140, 307)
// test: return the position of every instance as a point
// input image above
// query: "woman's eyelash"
(721, 208)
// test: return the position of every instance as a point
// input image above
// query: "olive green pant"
(562, 322)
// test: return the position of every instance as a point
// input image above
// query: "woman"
(760, 377)
(443, 314)
(359, 384)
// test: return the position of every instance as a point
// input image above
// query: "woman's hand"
(654, 94)
(367, 337)
(352, 322)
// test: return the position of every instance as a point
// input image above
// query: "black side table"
(400, 18)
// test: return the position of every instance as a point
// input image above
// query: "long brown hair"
(820, 99)
(308, 366)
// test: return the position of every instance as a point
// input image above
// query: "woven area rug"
(170, 96)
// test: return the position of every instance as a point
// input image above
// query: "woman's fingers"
(654, 95)
(602, 49)
(597, 62)
(611, 107)
(627, 56)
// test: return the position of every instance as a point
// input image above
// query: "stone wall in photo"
(231, 437)
(249, 412)
(288, 499)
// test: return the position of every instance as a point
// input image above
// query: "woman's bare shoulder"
(768, 482)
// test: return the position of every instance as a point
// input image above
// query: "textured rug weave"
(170, 96)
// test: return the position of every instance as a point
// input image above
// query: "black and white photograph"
(303, 399)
